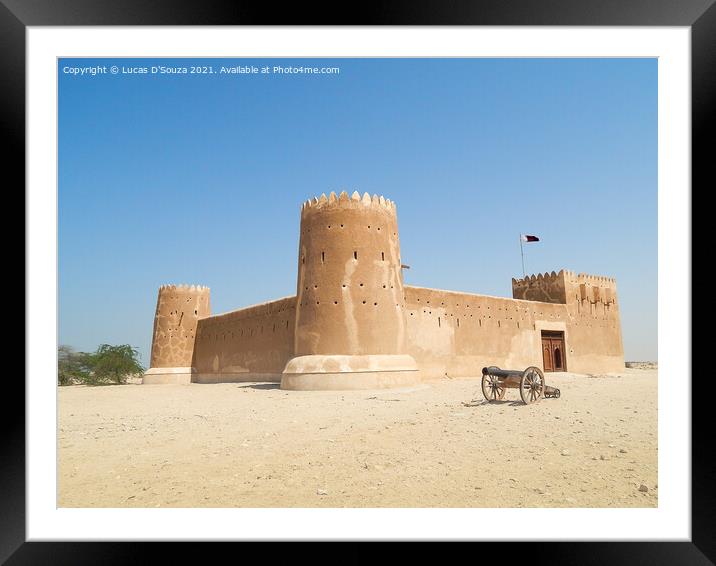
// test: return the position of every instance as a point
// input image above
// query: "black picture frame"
(699, 15)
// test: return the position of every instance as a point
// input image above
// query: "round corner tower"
(179, 308)
(350, 307)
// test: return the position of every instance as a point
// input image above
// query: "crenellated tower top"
(565, 286)
(546, 276)
(184, 287)
(343, 200)
(545, 287)
(592, 288)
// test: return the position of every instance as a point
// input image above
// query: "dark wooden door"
(547, 354)
(557, 354)
(553, 351)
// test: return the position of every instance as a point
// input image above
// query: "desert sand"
(438, 444)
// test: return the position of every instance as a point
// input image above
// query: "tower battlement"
(546, 276)
(593, 288)
(183, 287)
(343, 200)
(593, 279)
(565, 286)
(544, 287)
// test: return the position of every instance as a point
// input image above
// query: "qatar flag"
(526, 238)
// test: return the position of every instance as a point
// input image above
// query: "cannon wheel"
(532, 385)
(492, 389)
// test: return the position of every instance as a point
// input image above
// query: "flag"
(526, 238)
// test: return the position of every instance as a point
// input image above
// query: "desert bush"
(108, 364)
(113, 364)
(72, 367)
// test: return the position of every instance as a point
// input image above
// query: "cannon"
(530, 382)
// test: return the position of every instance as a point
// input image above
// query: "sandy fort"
(354, 324)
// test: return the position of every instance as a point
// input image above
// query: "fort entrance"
(553, 351)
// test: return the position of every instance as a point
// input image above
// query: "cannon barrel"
(497, 372)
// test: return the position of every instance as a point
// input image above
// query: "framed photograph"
(234, 336)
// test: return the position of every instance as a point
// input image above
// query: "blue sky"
(199, 178)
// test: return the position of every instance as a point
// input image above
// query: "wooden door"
(547, 354)
(557, 353)
(553, 351)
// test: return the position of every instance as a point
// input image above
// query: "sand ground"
(438, 444)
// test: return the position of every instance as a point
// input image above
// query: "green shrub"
(108, 364)
(113, 364)
(72, 367)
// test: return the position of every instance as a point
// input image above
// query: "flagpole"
(522, 253)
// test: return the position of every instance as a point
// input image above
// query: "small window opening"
(323, 257)
(355, 255)
(382, 255)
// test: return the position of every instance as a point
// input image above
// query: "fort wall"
(249, 344)
(457, 334)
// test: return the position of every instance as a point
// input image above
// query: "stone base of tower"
(181, 376)
(307, 373)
